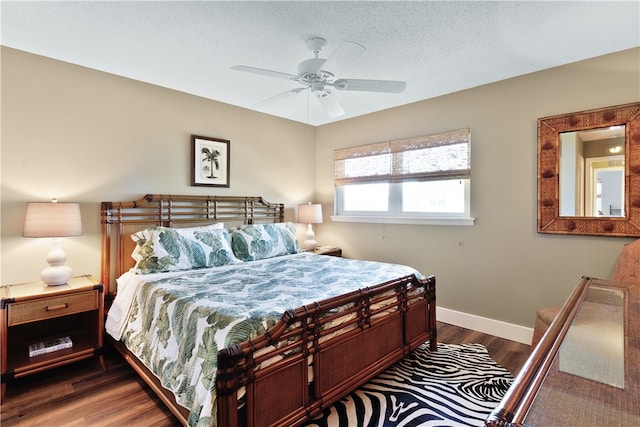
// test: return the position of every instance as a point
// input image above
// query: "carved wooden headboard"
(121, 219)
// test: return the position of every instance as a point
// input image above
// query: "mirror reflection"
(592, 172)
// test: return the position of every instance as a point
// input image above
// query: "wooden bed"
(316, 362)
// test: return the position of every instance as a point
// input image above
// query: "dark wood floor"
(82, 395)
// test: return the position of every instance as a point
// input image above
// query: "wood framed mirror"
(589, 172)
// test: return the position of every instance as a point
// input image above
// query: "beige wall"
(86, 136)
(499, 268)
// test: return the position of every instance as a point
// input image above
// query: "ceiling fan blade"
(278, 97)
(264, 72)
(343, 55)
(330, 104)
(388, 86)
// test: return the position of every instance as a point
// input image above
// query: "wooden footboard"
(318, 353)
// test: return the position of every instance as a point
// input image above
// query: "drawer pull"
(57, 307)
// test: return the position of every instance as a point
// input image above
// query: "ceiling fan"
(313, 75)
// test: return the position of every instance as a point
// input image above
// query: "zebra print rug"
(458, 385)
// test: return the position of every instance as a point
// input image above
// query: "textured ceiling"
(436, 47)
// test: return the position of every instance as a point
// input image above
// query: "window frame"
(395, 179)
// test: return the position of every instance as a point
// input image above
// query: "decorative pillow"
(136, 250)
(254, 242)
(162, 249)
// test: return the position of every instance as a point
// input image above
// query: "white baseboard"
(485, 325)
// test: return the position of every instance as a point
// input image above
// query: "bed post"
(433, 341)
(226, 386)
(105, 267)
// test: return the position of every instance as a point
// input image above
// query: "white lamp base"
(310, 242)
(57, 273)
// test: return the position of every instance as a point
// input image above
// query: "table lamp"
(310, 214)
(53, 220)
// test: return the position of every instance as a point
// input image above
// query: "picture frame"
(210, 161)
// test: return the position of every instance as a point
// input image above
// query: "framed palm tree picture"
(209, 161)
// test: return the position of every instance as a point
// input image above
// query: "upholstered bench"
(627, 270)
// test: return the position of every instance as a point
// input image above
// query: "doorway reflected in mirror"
(592, 172)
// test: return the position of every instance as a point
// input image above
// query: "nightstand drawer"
(47, 308)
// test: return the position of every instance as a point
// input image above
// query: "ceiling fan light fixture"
(318, 89)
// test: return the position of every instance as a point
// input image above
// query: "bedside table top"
(328, 250)
(40, 289)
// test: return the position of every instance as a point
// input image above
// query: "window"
(407, 180)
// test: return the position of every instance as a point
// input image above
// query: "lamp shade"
(310, 213)
(52, 220)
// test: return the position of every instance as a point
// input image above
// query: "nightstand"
(328, 250)
(34, 312)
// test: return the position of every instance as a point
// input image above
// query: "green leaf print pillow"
(162, 249)
(254, 242)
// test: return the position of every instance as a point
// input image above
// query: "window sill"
(405, 220)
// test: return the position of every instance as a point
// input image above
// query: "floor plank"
(82, 395)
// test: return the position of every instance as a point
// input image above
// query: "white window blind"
(445, 155)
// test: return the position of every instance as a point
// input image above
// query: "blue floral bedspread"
(176, 325)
